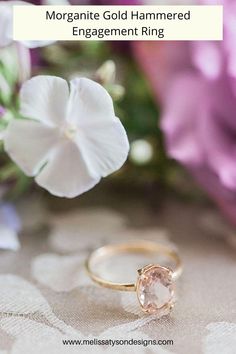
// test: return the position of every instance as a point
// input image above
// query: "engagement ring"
(155, 283)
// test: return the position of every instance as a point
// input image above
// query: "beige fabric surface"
(45, 294)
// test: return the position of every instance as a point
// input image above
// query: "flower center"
(70, 131)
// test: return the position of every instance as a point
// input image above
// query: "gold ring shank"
(143, 247)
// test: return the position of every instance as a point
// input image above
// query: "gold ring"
(154, 285)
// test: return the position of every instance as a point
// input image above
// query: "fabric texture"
(46, 295)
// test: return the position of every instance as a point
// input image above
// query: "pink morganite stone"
(155, 290)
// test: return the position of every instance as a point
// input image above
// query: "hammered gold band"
(142, 247)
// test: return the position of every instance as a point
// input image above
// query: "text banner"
(118, 22)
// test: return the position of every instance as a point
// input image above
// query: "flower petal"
(104, 147)
(6, 21)
(44, 98)
(101, 137)
(66, 174)
(181, 115)
(8, 239)
(208, 58)
(10, 217)
(220, 150)
(16, 61)
(29, 144)
(37, 44)
(89, 103)
(24, 62)
(5, 24)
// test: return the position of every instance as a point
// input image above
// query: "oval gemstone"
(155, 289)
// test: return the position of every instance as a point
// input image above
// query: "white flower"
(15, 60)
(73, 137)
(6, 25)
(107, 72)
(141, 152)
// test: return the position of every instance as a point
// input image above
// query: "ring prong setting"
(154, 289)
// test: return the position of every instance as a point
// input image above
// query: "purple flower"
(196, 84)
(116, 2)
(10, 226)
(9, 217)
(199, 126)
(2, 111)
